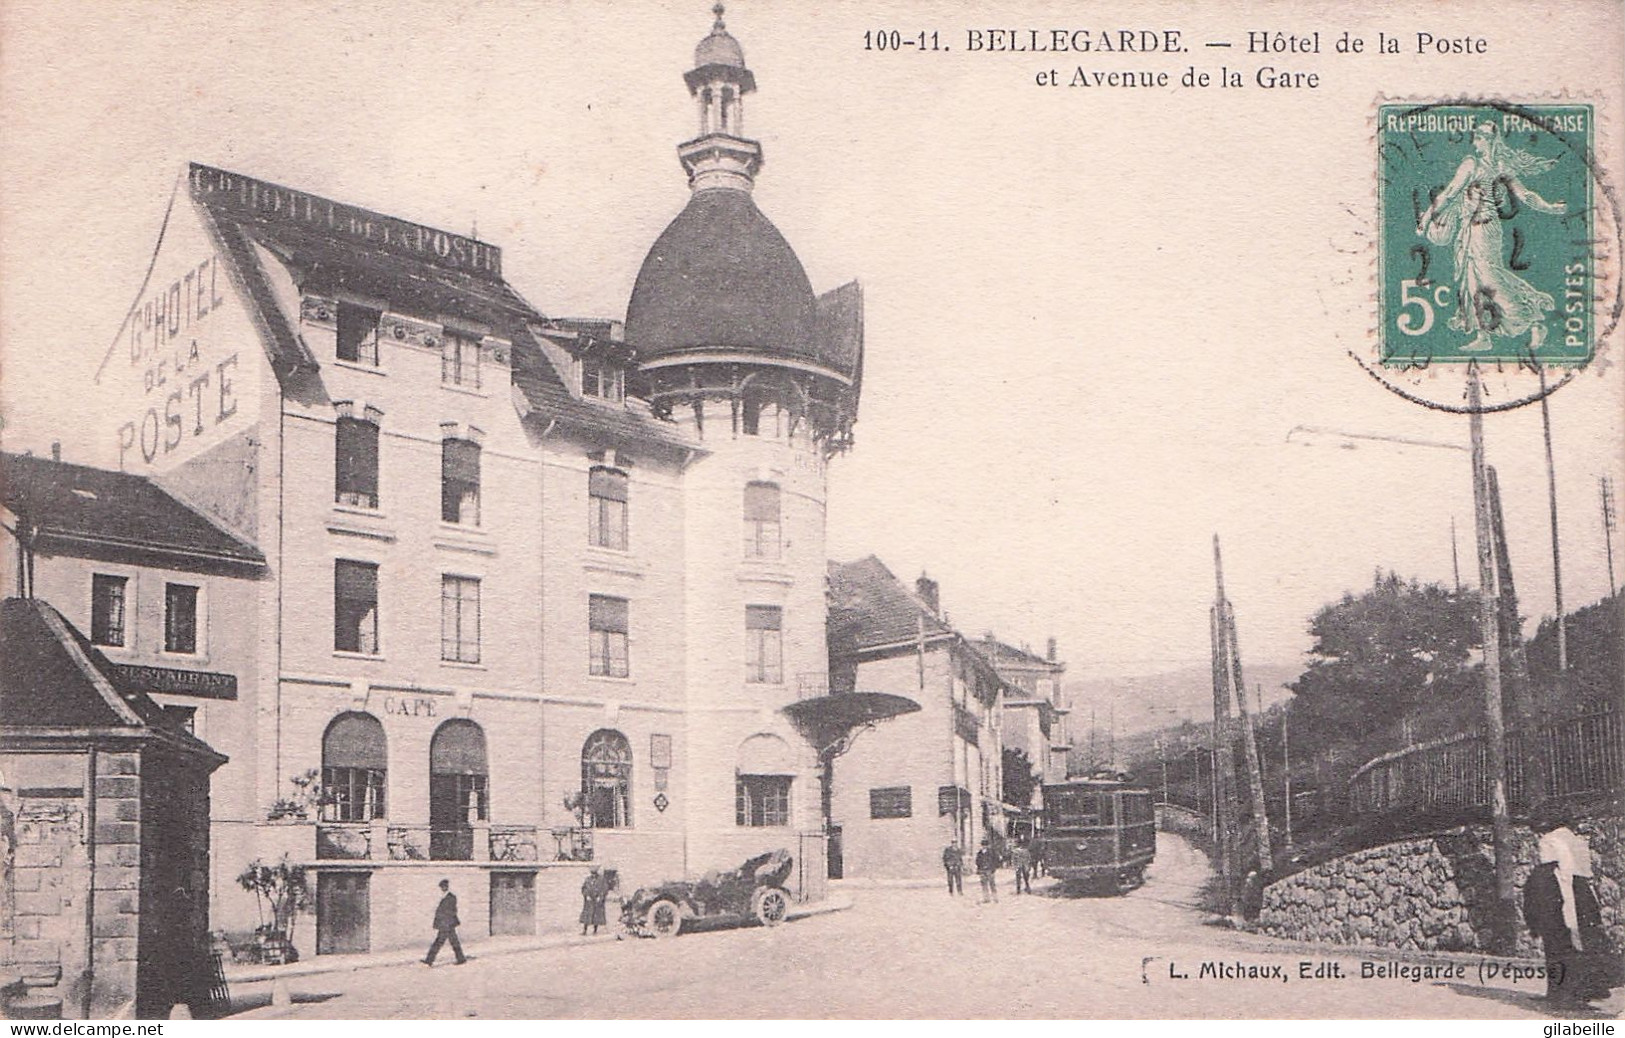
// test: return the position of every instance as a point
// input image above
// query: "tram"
(1099, 832)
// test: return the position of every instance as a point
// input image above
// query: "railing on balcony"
(344, 841)
(514, 843)
(573, 843)
(423, 843)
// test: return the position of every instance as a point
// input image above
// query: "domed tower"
(732, 342)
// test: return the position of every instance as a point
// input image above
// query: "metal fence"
(1582, 755)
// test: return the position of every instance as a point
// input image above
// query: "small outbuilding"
(104, 833)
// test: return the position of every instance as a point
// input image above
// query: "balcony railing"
(344, 841)
(513, 843)
(380, 841)
(573, 844)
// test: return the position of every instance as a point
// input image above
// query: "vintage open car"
(755, 890)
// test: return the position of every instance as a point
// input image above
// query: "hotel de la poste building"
(463, 590)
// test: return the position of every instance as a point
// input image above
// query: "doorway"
(513, 903)
(343, 913)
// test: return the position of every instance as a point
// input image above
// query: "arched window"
(762, 782)
(606, 780)
(354, 761)
(457, 789)
(762, 522)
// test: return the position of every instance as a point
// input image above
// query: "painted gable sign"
(184, 374)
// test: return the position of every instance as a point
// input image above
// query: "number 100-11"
(891, 39)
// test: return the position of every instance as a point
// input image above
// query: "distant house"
(1035, 712)
(921, 781)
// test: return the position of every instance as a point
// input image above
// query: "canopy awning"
(828, 720)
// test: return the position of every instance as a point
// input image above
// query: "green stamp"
(1486, 234)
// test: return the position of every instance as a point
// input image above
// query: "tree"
(1020, 777)
(1394, 664)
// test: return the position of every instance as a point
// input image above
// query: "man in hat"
(594, 892)
(987, 862)
(953, 863)
(445, 926)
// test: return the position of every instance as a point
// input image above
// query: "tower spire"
(721, 156)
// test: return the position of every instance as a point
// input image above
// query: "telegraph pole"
(1490, 634)
(1286, 770)
(1224, 765)
(1557, 557)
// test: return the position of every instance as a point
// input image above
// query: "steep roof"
(54, 678)
(95, 513)
(871, 608)
(1002, 653)
(343, 247)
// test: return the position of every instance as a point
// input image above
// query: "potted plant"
(281, 891)
(307, 797)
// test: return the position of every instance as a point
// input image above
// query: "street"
(916, 953)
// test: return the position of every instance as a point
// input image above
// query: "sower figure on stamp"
(987, 861)
(445, 926)
(953, 863)
(594, 892)
(1490, 298)
(1022, 859)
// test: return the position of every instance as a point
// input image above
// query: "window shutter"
(460, 460)
(607, 483)
(764, 618)
(356, 581)
(607, 614)
(357, 456)
(762, 502)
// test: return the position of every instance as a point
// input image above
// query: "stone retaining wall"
(1430, 893)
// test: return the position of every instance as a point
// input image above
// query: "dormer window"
(358, 334)
(603, 379)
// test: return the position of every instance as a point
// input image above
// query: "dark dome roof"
(719, 48)
(722, 276)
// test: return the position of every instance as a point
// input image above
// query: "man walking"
(445, 926)
(987, 860)
(1022, 859)
(953, 863)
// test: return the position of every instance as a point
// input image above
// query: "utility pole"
(1557, 556)
(1608, 516)
(1490, 633)
(1519, 693)
(1455, 563)
(1224, 770)
(1286, 770)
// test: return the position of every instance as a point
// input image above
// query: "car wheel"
(664, 919)
(771, 905)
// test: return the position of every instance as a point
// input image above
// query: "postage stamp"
(1486, 234)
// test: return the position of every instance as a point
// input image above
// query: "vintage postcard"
(763, 510)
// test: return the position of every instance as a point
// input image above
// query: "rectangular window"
(107, 609)
(459, 361)
(180, 619)
(352, 794)
(761, 521)
(358, 334)
(607, 509)
(762, 800)
(460, 482)
(355, 606)
(764, 645)
(460, 619)
(891, 802)
(602, 379)
(607, 629)
(355, 463)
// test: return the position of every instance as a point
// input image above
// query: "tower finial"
(717, 10)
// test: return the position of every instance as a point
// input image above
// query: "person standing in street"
(445, 926)
(987, 862)
(1022, 859)
(953, 863)
(594, 892)
(1548, 909)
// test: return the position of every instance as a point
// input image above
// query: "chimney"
(1049, 653)
(926, 588)
(56, 450)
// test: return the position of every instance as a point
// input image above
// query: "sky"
(1094, 317)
